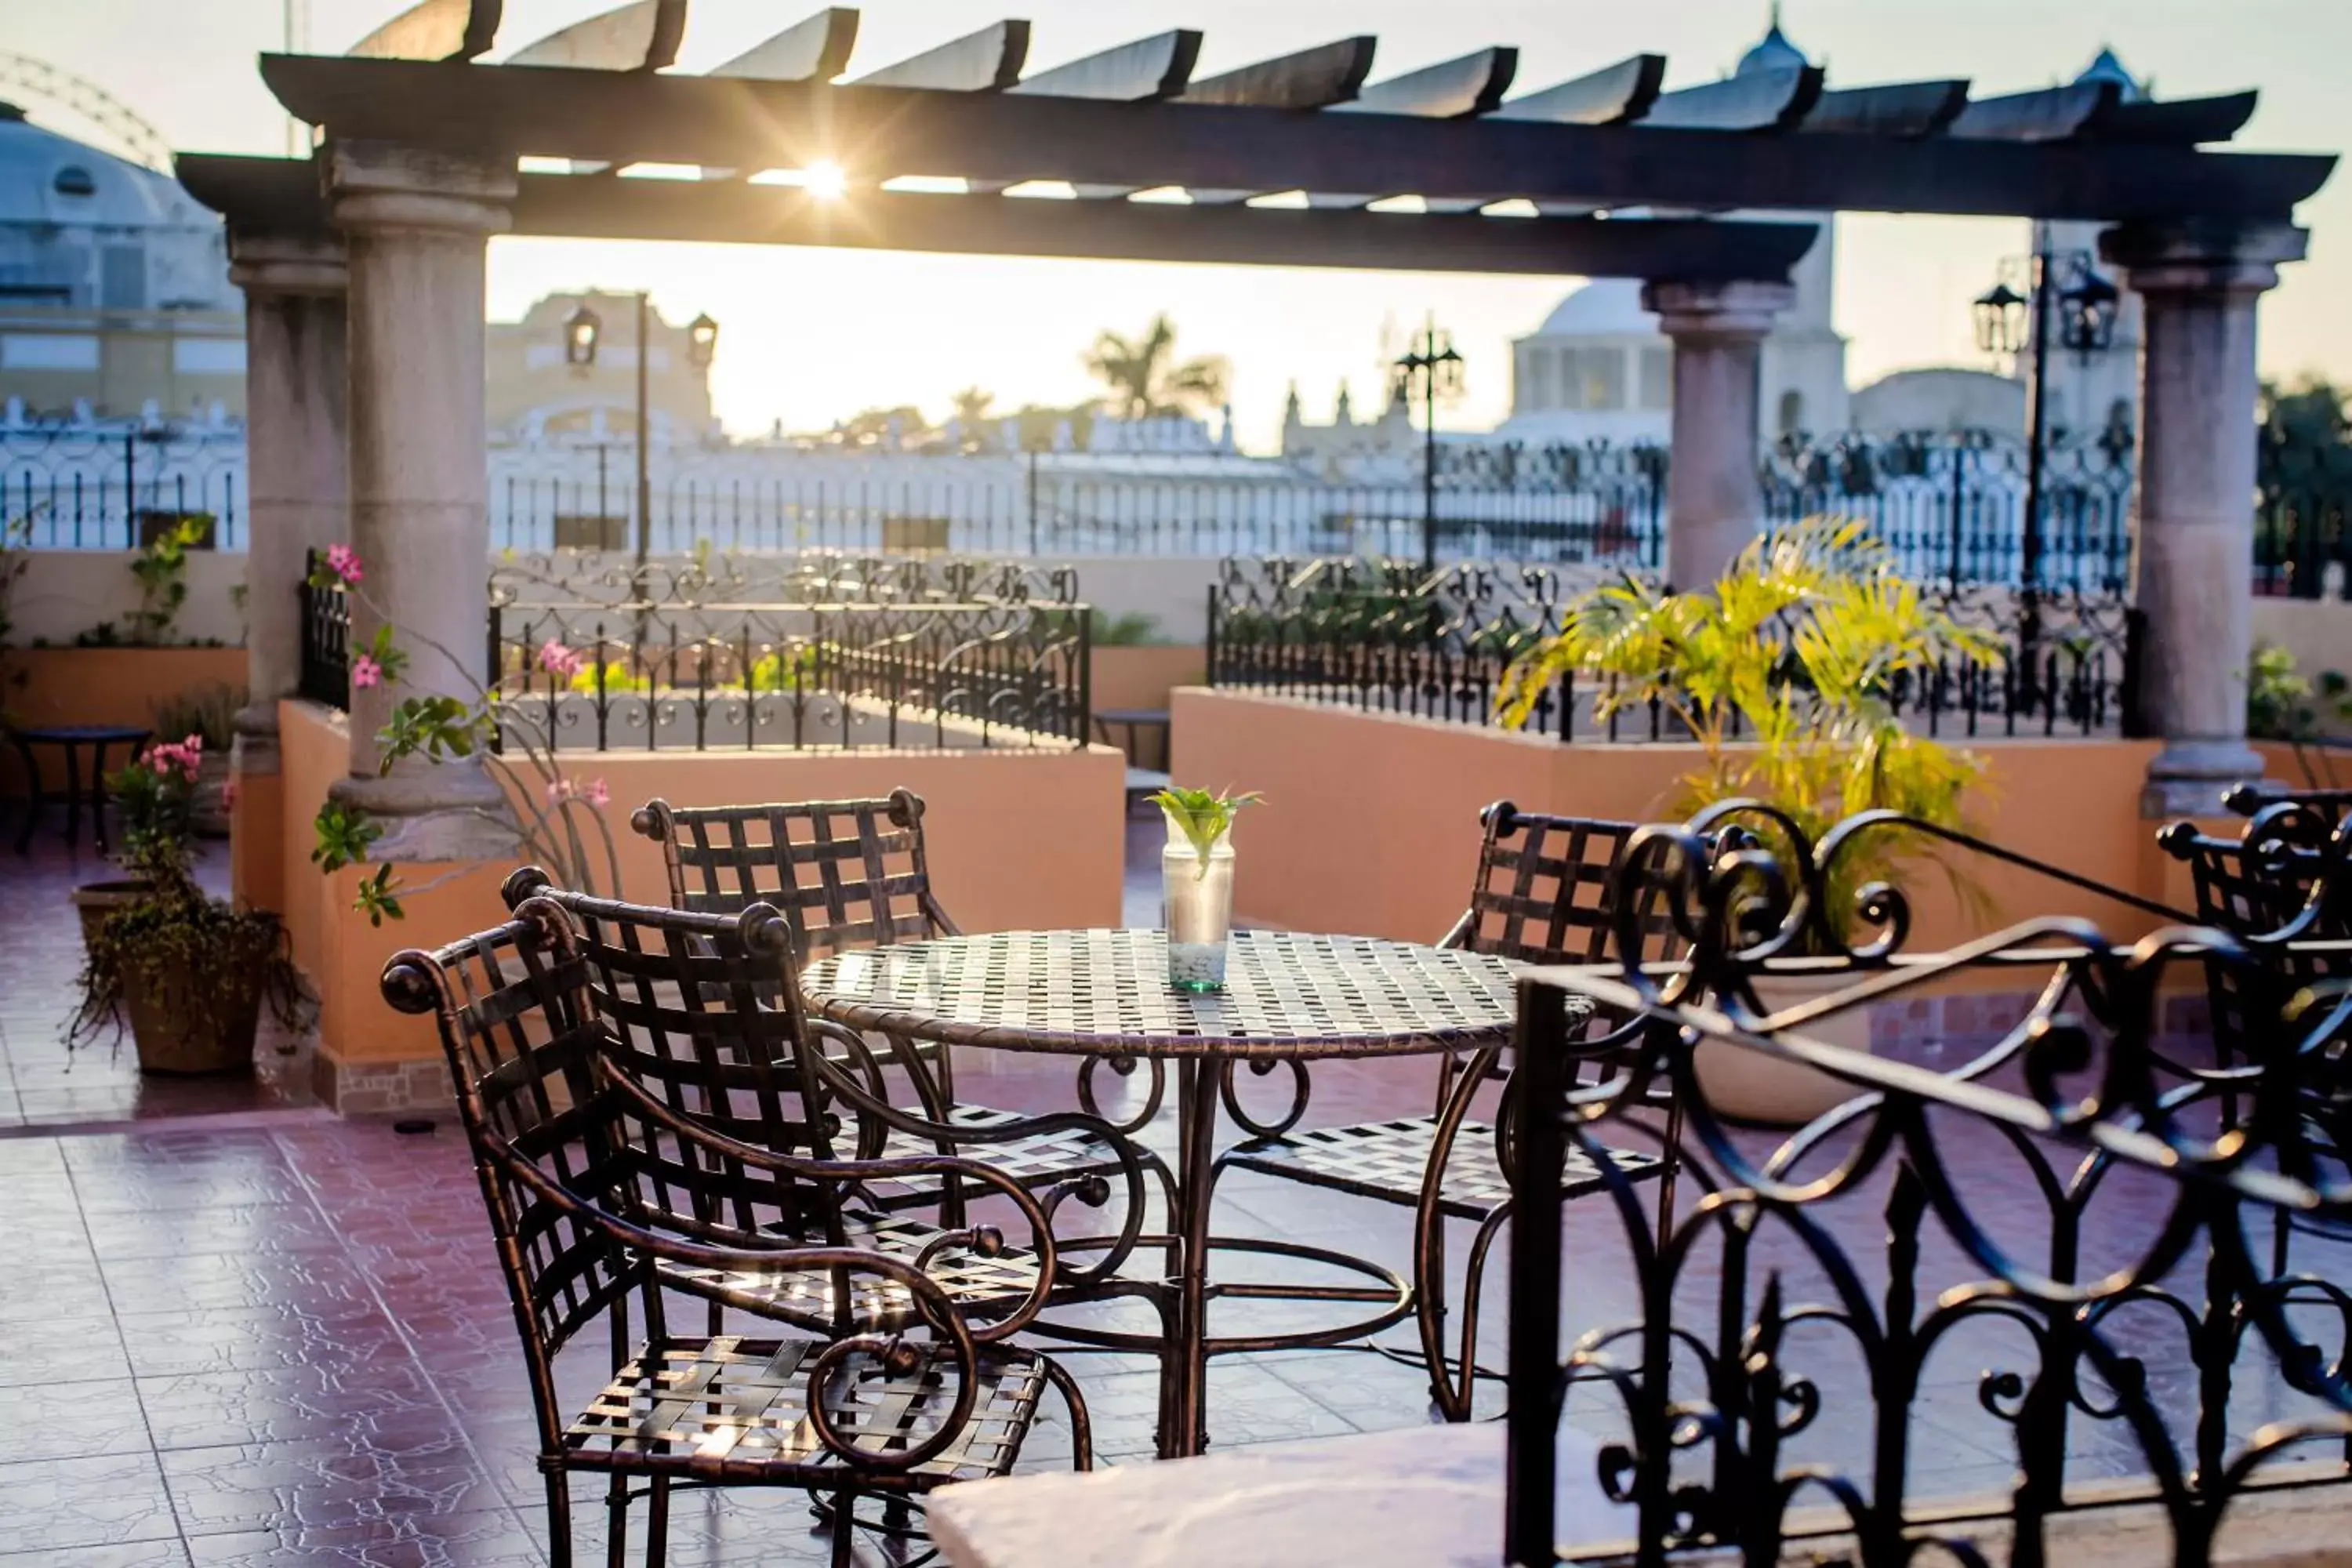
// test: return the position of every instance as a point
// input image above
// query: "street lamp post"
(2068, 284)
(583, 332)
(1431, 369)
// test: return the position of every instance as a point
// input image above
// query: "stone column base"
(2188, 778)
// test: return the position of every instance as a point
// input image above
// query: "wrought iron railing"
(112, 487)
(2303, 519)
(326, 672)
(1384, 637)
(1955, 1309)
(842, 652)
(1952, 505)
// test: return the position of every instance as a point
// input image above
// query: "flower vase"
(1197, 905)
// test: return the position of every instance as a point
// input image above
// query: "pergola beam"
(281, 195)
(878, 132)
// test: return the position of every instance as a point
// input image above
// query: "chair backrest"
(703, 1013)
(521, 1037)
(2244, 899)
(1542, 891)
(846, 873)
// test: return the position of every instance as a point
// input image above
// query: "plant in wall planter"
(558, 820)
(187, 973)
(1196, 879)
(1782, 673)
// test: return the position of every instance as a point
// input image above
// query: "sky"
(808, 336)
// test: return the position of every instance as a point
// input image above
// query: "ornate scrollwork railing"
(1942, 1310)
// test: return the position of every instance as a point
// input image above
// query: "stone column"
(2194, 571)
(297, 500)
(1715, 497)
(417, 225)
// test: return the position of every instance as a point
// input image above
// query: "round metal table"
(1290, 998)
(71, 738)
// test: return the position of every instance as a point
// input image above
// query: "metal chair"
(746, 1068)
(851, 874)
(598, 1197)
(2259, 888)
(1540, 896)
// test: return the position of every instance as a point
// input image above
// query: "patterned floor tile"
(64, 1506)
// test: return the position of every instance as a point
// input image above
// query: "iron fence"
(2303, 526)
(1383, 636)
(113, 488)
(844, 653)
(1605, 506)
(1952, 504)
(2088, 1269)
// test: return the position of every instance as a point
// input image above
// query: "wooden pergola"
(363, 264)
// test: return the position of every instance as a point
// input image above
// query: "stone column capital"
(311, 266)
(377, 187)
(2203, 258)
(1739, 308)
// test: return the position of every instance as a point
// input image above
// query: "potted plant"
(1782, 673)
(188, 972)
(1196, 881)
(210, 713)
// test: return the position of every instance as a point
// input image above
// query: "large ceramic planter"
(173, 1039)
(94, 901)
(1765, 1090)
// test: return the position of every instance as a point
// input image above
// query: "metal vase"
(1197, 906)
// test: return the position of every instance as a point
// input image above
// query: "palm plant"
(1784, 673)
(1145, 378)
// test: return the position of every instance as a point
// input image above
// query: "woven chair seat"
(737, 1409)
(805, 1297)
(1040, 1159)
(1390, 1160)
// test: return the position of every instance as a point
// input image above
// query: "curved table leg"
(73, 797)
(1199, 1087)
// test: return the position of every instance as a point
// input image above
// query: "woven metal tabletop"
(1106, 991)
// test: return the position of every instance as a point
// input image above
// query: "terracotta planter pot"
(96, 901)
(172, 1038)
(1767, 1091)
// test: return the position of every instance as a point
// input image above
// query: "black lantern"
(2086, 312)
(702, 342)
(2001, 312)
(582, 329)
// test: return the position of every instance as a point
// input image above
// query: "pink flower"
(366, 672)
(345, 562)
(560, 661)
(559, 791)
(596, 795)
(228, 795)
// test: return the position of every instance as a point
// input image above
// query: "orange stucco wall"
(106, 686)
(1371, 821)
(1017, 840)
(1144, 678)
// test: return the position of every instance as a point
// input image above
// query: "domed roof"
(2107, 68)
(46, 178)
(1603, 307)
(1772, 52)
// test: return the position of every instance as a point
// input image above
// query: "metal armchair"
(711, 1042)
(597, 1200)
(851, 874)
(1540, 896)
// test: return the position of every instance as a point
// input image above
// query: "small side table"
(72, 739)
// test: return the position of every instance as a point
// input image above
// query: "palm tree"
(1144, 377)
(971, 408)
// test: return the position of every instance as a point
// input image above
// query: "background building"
(114, 294)
(535, 396)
